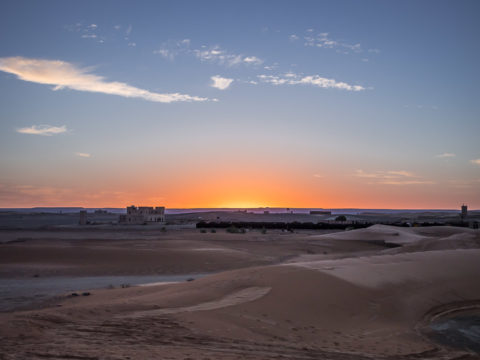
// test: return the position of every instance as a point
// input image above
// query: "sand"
(294, 296)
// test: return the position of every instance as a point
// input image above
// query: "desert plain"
(376, 293)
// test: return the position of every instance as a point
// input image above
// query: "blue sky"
(188, 101)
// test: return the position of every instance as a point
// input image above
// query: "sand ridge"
(364, 304)
(239, 297)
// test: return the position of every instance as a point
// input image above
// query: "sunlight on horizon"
(331, 108)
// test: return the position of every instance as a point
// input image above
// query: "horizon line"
(237, 208)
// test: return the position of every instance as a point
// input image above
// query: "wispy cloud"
(475, 161)
(214, 54)
(406, 182)
(252, 60)
(172, 48)
(323, 40)
(223, 57)
(100, 34)
(392, 177)
(446, 155)
(318, 176)
(314, 80)
(392, 174)
(83, 155)
(167, 54)
(401, 173)
(221, 82)
(89, 31)
(63, 75)
(44, 130)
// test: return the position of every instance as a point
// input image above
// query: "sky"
(353, 104)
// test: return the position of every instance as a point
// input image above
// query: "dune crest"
(236, 298)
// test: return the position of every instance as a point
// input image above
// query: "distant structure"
(464, 211)
(143, 215)
(320, 212)
(83, 217)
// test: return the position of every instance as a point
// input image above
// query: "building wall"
(143, 214)
(83, 217)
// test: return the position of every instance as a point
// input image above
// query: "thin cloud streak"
(314, 80)
(475, 161)
(392, 174)
(213, 54)
(322, 40)
(43, 130)
(446, 155)
(84, 155)
(222, 57)
(401, 173)
(392, 177)
(406, 182)
(63, 75)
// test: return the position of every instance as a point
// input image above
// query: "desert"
(239, 180)
(306, 294)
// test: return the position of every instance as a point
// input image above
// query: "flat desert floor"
(361, 294)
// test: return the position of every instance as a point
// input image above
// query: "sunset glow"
(109, 104)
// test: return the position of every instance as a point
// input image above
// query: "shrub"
(234, 230)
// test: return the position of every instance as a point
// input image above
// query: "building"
(464, 211)
(83, 217)
(143, 215)
(320, 212)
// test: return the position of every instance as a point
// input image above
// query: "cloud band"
(63, 75)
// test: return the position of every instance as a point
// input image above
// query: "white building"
(143, 215)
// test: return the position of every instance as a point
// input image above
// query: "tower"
(464, 211)
(83, 217)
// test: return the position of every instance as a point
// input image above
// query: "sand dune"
(396, 235)
(358, 306)
(421, 267)
(401, 235)
(238, 297)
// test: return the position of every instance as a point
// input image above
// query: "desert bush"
(234, 230)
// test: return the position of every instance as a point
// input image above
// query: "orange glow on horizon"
(236, 189)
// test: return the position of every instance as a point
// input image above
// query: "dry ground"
(278, 295)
